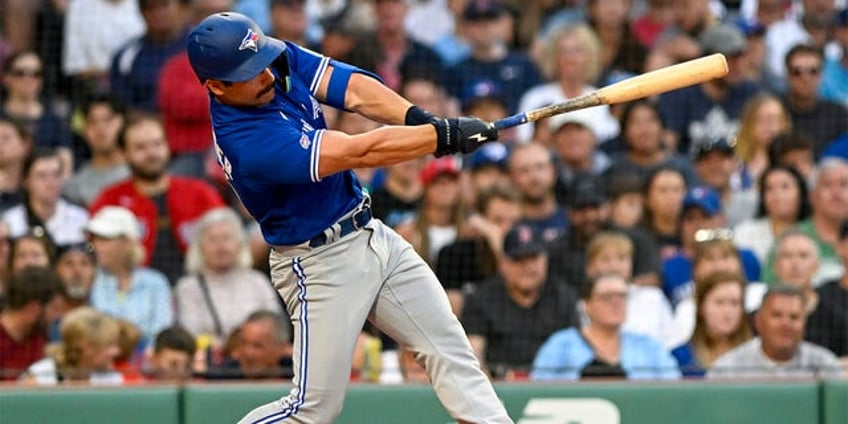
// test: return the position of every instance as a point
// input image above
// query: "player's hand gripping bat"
(658, 81)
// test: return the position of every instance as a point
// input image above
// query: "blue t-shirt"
(508, 78)
(689, 365)
(270, 156)
(834, 83)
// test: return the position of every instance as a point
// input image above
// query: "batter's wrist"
(417, 116)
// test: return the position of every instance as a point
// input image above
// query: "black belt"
(346, 226)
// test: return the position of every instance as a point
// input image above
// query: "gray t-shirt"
(749, 361)
(87, 183)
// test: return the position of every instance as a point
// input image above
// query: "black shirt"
(463, 262)
(514, 333)
(827, 326)
(391, 209)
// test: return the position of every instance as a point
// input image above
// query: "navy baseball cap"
(703, 198)
(228, 46)
(490, 154)
(586, 190)
(522, 241)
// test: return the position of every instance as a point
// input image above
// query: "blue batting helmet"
(228, 46)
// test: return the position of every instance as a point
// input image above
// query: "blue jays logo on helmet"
(229, 46)
(249, 41)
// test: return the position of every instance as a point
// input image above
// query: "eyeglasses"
(19, 72)
(797, 71)
(711, 234)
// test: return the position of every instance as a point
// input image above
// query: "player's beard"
(148, 173)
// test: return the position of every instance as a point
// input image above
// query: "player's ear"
(215, 86)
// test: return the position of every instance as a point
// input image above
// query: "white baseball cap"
(114, 221)
(579, 117)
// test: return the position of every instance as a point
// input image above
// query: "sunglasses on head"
(712, 234)
(797, 71)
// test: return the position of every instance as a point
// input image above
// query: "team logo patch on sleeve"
(249, 41)
(305, 141)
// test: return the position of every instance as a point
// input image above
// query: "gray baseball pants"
(370, 274)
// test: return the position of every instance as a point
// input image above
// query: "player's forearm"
(371, 99)
(381, 147)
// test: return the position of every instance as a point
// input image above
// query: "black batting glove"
(462, 135)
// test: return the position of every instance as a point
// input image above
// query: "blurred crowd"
(699, 233)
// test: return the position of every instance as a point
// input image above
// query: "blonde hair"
(550, 52)
(607, 239)
(746, 146)
(195, 262)
(81, 327)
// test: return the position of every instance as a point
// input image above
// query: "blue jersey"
(270, 156)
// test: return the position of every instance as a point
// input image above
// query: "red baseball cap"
(439, 166)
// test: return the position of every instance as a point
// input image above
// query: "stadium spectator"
(173, 352)
(720, 322)
(796, 260)
(680, 40)
(643, 147)
(763, 118)
(491, 61)
(622, 56)
(43, 208)
(648, 312)
(264, 348)
(87, 351)
(23, 103)
(589, 212)
(134, 72)
(288, 20)
(15, 145)
(393, 46)
(532, 171)
(167, 205)
(821, 120)
(710, 110)
(487, 167)
(834, 83)
(397, 199)
(715, 164)
(439, 216)
(33, 300)
(104, 115)
(123, 288)
(664, 189)
(576, 146)
(220, 289)
(795, 151)
(627, 203)
(510, 316)
(76, 269)
(600, 348)
(783, 202)
(828, 325)
(829, 201)
(32, 248)
(658, 16)
(93, 33)
(701, 222)
(810, 25)
(473, 258)
(779, 351)
(570, 59)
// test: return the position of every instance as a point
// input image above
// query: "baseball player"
(332, 264)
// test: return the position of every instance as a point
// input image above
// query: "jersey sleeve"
(307, 65)
(273, 153)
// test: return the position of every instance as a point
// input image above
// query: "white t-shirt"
(66, 226)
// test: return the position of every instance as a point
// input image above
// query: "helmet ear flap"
(281, 65)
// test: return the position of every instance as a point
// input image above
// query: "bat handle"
(510, 121)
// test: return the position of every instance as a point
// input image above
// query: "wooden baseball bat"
(658, 81)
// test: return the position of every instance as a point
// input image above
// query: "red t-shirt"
(16, 357)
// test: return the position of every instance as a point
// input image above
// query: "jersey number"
(223, 162)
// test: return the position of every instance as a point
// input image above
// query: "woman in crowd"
(23, 83)
(15, 145)
(665, 188)
(648, 312)
(783, 203)
(87, 351)
(641, 134)
(31, 249)
(43, 206)
(123, 288)
(763, 118)
(720, 323)
(220, 289)
(600, 348)
(570, 59)
(622, 56)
